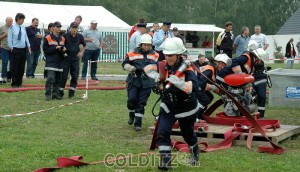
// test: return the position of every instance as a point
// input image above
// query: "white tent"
(65, 14)
(194, 27)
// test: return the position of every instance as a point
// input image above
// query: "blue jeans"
(290, 62)
(92, 55)
(32, 62)
(6, 56)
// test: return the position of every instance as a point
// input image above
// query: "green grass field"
(98, 127)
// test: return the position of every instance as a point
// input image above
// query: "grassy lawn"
(97, 127)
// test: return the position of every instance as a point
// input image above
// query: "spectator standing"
(290, 54)
(135, 27)
(260, 38)
(54, 49)
(176, 34)
(35, 37)
(5, 50)
(136, 36)
(18, 42)
(93, 39)
(298, 47)
(194, 39)
(225, 40)
(78, 20)
(154, 28)
(241, 42)
(206, 43)
(160, 36)
(75, 45)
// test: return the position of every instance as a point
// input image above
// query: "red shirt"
(133, 29)
(206, 44)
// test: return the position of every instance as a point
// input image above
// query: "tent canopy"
(193, 27)
(65, 14)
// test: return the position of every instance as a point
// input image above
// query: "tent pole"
(213, 43)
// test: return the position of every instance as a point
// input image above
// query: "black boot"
(138, 123)
(71, 94)
(131, 118)
(165, 161)
(194, 159)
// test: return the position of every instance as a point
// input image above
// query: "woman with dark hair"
(290, 53)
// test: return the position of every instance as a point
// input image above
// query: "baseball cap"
(57, 24)
(175, 29)
(94, 21)
(74, 25)
(141, 24)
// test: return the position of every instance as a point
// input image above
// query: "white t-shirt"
(261, 39)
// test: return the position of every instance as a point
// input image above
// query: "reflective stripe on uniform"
(54, 69)
(164, 148)
(131, 110)
(189, 113)
(247, 67)
(260, 81)
(220, 79)
(150, 67)
(137, 57)
(72, 88)
(138, 115)
(165, 107)
(188, 87)
(61, 89)
(152, 57)
(261, 108)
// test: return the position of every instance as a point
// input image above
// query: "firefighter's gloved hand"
(129, 68)
(179, 83)
(154, 75)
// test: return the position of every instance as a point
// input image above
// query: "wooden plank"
(216, 133)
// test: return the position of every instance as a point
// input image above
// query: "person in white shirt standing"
(260, 38)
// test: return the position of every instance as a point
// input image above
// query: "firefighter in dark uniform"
(204, 94)
(250, 62)
(178, 102)
(54, 50)
(75, 46)
(139, 85)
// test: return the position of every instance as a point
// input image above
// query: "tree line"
(269, 14)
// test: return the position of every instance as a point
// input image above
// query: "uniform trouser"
(18, 60)
(52, 83)
(290, 62)
(166, 121)
(137, 99)
(70, 64)
(260, 88)
(6, 56)
(204, 98)
(92, 55)
(32, 62)
(161, 56)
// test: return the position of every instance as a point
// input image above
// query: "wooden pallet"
(215, 133)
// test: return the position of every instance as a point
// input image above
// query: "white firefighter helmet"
(146, 39)
(173, 46)
(261, 54)
(223, 58)
(252, 45)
